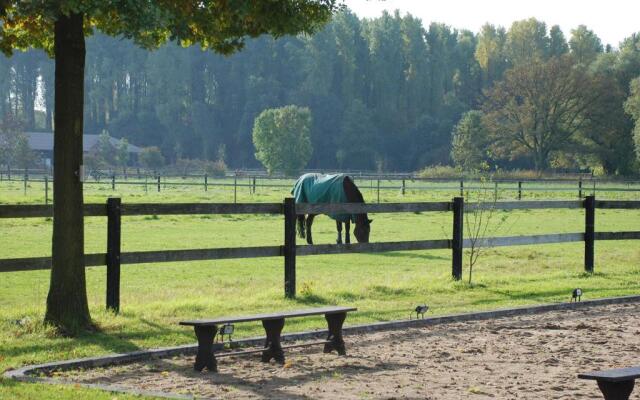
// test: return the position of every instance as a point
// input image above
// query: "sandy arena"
(527, 357)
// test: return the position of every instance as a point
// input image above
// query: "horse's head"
(362, 229)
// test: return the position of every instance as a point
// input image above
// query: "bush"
(448, 172)
(151, 158)
(216, 168)
(440, 171)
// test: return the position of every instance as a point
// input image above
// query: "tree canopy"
(215, 24)
(538, 108)
(632, 106)
(59, 27)
(385, 92)
(281, 138)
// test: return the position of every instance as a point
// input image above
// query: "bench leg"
(205, 357)
(273, 349)
(335, 322)
(616, 390)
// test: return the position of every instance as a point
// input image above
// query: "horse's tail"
(301, 226)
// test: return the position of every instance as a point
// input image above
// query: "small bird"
(419, 310)
(576, 295)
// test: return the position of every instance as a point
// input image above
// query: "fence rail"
(382, 182)
(114, 210)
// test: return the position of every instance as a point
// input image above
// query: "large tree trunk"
(67, 305)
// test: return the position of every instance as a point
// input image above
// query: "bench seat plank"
(271, 316)
(613, 375)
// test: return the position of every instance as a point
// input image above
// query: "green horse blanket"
(318, 188)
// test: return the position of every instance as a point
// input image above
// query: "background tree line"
(387, 93)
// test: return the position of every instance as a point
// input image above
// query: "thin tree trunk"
(67, 305)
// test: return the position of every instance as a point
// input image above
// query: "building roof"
(43, 141)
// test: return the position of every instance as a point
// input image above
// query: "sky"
(611, 20)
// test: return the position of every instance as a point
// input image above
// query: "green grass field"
(154, 297)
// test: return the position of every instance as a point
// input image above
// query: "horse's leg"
(310, 218)
(347, 234)
(301, 228)
(339, 228)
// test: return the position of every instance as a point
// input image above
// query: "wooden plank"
(114, 208)
(589, 232)
(617, 235)
(357, 208)
(618, 204)
(95, 210)
(322, 249)
(530, 239)
(523, 205)
(289, 249)
(39, 263)
(614, 189)
(613, 375)
(25, 264)
(141, 257)
(45, 210)
(269, 316)
(201, 208)
(457, 242)
(25, 211)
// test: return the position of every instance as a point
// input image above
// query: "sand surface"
(527, 357)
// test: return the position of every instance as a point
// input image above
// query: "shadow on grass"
(109, 341)
(378, 291)
(406, 254)
(312, 298)
(538, 295)
(7, 383)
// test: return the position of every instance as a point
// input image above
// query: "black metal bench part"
(273, 323)
(615, 384)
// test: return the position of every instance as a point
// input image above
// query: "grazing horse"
(338, 188)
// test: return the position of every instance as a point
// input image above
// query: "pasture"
(383, 286)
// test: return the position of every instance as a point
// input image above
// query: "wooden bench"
(615, 384)
(273, 323)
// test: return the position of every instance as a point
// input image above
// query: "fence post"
(589, 232)
(46, 189)
(378, 190)
(146, 178)
(205, 182)
(26, 178)
(457, 240)
(519, 190)
(254, 185)
(580, 188)
(403, 187)
(289, 247)
(235, 189)
(158, 183)
(113, 182)
(495, 191)
(461, 188)
(113, 254)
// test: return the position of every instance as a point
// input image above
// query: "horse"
(336, 188)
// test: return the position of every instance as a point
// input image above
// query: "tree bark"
(67, 306)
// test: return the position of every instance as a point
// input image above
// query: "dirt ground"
(527, 357)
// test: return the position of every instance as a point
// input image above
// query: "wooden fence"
(114, 210)
(374, 183)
